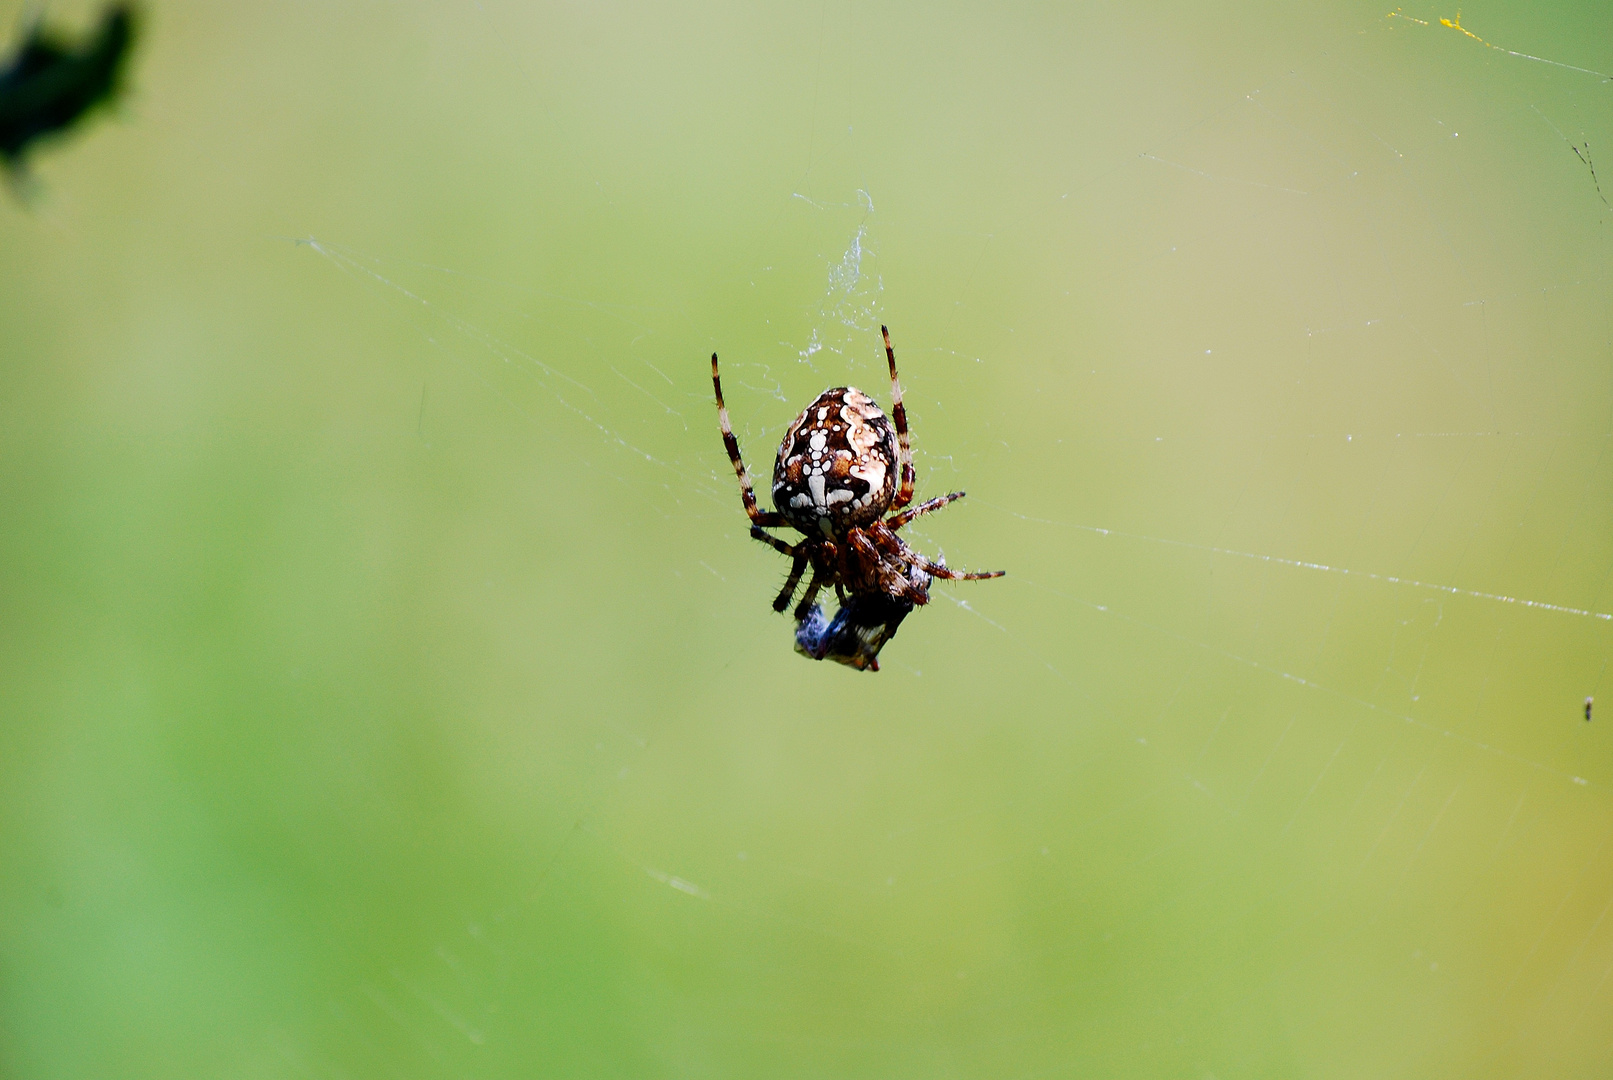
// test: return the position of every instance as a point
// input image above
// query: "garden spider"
(835, 477)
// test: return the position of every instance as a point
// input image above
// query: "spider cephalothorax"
(841, 467)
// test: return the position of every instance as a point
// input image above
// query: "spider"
(835, 478)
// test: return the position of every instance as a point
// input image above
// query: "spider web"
(1358, 690)
(1289, 417)
(1384, 594)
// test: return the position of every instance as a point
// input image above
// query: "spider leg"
(772, 541)
(898, 577)
(805, 606)
(904, 444)
(747, 494)
(936, 570)
(885, 536)
(782, 601)
(862, 566)
(798, 553)
(897, 521)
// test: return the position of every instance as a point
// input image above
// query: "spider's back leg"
(898, 520)
(884, 536)
(747, 494)
(904, 444)
(937, 570)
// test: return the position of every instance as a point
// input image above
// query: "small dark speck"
(1588, 703)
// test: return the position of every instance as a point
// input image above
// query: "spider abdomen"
(836, 468)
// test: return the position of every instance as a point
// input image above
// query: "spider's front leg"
(747, 494)
(825, 558)
(861, 567)
(798, 566)
(804, 608)
(772, 541)
(895, 571)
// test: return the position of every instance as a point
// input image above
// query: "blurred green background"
(389, 688)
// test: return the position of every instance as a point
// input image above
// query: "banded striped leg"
(912, 512)
(864, 562)
(797, 567)
(904, 444)
(786, 594)
(804, 608)
(936, 570)
(771, 541)
(747, 494)
(884, 536)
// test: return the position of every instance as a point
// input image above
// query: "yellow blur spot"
(1456, 24)
(1398, 14)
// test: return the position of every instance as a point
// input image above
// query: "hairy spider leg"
(799, 553)
(804, 608)
(880, 530)
(747, 494)
(895, 549)
(772, 541)
(896, 522)
(904, 444)
(886, 540)
(865, 557)
(786, 594)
